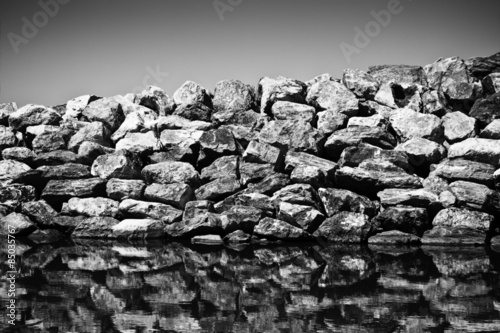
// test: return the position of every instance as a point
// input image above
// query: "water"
(95, 286)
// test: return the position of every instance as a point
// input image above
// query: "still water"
(97, 287)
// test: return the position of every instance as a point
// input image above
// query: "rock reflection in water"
(156, 287)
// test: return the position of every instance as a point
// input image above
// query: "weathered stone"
(282, 110)
(203, 224)
(191, 92)
(89, 151)
(496, 177)
(156, 99)
(138, 229)
(460, 169)
(6, 109)
(40, 212)
(270, 184)
(479, 67)
(46, 236)
(271, 90)
(332, 95)
(410, 197)
(7, 138)
(385, 95)
(214, 144)
(171, 172)
(305, 217)
(276, 229)
(142, 209)
(92, 207)
(67, 224)
(476, 196)
(402, 74)
(457, 127)
(422, 152)
(329, 121)
(360, 83)
(56, 157)
(20, 154)
(95, 227)
(410, 124)
(106, 110)
(122, 164)
(253, 172)
(194, 111)
(75, 106)
(453, 236)
(119, 189)
(10, 169)
(223, 167)
(287, 134)
(258, 152)
(447, 199)
(139, 143)
(11, 196)
(345, 227)
(136, 121)
(93, 132)
(61, 190)
(299, 194)
(492, 131)
(64, 171)
(403, 218)
(309, 175)
(198, 207)
(179, 145)
(479, 150)
(394, 237)
(295, 159)
(16, 224)
(435, 184)
(335, 201)
(31, 115)
(176, 194)
(237, 237)
(353, 156)
(462, 218)
(434, 102)
(370, 108)
(353, 136)
(371, 121)
(207, 240)
(233, 95)
(173, 122)
(46, 142)
(218, 189)
(257, 200)
(243, 218)
(408, 97)
(485, 110)
(491, 83)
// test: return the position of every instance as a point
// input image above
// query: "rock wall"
(397, 154)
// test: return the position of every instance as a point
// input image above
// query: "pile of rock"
(398, 154)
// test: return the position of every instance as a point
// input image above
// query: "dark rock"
(156, 99)
(282, 110)
(335, 201)
(491, 83)
(223, 167)
(16, 224)
(332, 95)
(122, 164)
(202, 224)
(98, 206)
(260, 152)
(119, 189)
(434, 102)
(369, 108)
(47, 236)
(176, 122)
(39, 212)
(62, 190)
(394, 237)
(403, 218)
(309, 175)
(479, 150)
(457, 126)
(218, 189)
(485, 110)
(272, 90)
(345, 227)
(402, 74)
(362, 84)
(410, 124)
(353, 156)
(93, 132)
(138, 229)
(194, 111)
(453, 236)
(481, 66)
(176, 194)
(492, 131)
(270, 184)
(330, 121)
(89, 151)
(10, 169)
(459, 169)
(11, 196)
(64, 171)
(171, 172)
(243, 218)
(476, 196)
(106, 110)
(142, 209)
(56, 157)
(198, 207)
(6, 109)
(299, 194)
(295, 159)
(20, 154)
(214, 144)
(276, 229)
(67, 224)
(233, 95)
(304, 217)
(257, 200)
(410, 197)
(253, 172)
(190, 93)
(181, 145)
(95, 227)
(31, 115)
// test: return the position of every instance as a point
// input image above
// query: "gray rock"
(46, 142)
(403, 218)
(385, 95)
(156, 99)
(243, 218)
(121, 164)
(463, 218)
(139, 143)
(218, 189)
(176, 194)
(207, 240)
(276, 229)
(253, 172)
(31, 115)
(92, 207)
(409, 197)
(56, 157)
(434, 102)
(479, 67)
(93, 132)
(394, 237)
(106, 110)
(369, 108)
(191, 92)
(476, 196)
(295, 159)
(457, 127)
(75, 106)
(233, 95)
(142, 209)
(194, 111)
(10, 169)
(304, 217)
(7, 138)
(283, 110)
(214, 144)
(496, 177)
(371, 121)
(475, 149)
(345, 227)
(402, 74)
(435, 184)
(119, 189)
(459, 169)
(485, 110)
(6, 109)
(12, 196)
(20, 154)
(331, 95)
(336, 200)
(492, 131)
(89, 151)
(353, 156)
(360, 83)
(61, 190)
(270, 184)
(203, 224)
(16, 224)
(271, 90)
(257, 200)
(299, 194)
(64, 171)
(138, 229)
(453, 236)
(330, 121)
(491, 83)
(422, 152)
(237, 237)
(223, 167)
(173, 122)
(309, 175)
(198, 207)
(95, 227)
(180, 145)
(39, 212)
(171, 172)
(410, 124)
(136, 121)
(258, 152)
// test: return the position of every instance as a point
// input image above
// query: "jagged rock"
(106, 110)
(475, 149)
(182, 145)
(176, 194)
(492, 131)
(371, 121)
(218, 189)
(67, 224)
(305, 217)
(435, 184)
(190, 93)
(476, 196)
(171, 172)
(491, 83)
(11, 196)
(309, 175)
(329, 121)
(270, 184)
(282, 110)
(332, 95)
(202, 224)
(139, 143)
(462, 218)
(7, 138)
(119, 189)
(373, 176)
(259, 152)
(385, 95)
(198, 207)
(345, 227)
(156, 99)
(95, 227)
(253, 172)
(370, 108)
(16, 224)
(10, 169)
(482, 66)
(362, 84)
(335, 201)
(173, 122)
(485, 110)
(237, 237)
(457, 127)
(353, 156)
(138, 229)
(61, 190)
(401, 74)
(93, 132)
(394, 237)
(46, 142)
(272, 90)
(64, 171)
(207, 240)
(276, 229)
(6, 109)
(422, 152)
(39, 212)
(75, 106)
(194, 111)
(299, 194)
(31, 115)
(20, 154)
(142, 209)
(56, 157)
(223, 167)
(256, 200)
(434, 102)
(410, 124)
(408, 97)
(287, 134)
(459, 169)
(98, 206)
(295, 159)
(243, 218)
(447, 199)
(135, 121)
(353, 136)
(214, 144)
(121, 164)
(403, 218)
(453, 236)
(233, 95)
(89, 151)
(409, 197)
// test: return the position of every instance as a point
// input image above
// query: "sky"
(111, 47)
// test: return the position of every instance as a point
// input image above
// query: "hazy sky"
(109, 47)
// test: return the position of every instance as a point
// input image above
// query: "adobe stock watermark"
(222, 6)
(372, 29)
(30, 28)
(153, 78)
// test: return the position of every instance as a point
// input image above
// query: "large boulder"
(410, 124)
(329, 121)
(345, 227)
(31, 115)
(138, 229)
(238, 217)
(475, 149)
(491, 83)
(214, 144)
(260, 152)
(218, 189)
(233, 95)
(422, 152)
(197, 207)
(16, 224)
(93, 132)
(487, 109)
(270, 184)
(106, 110)
(142, 209)
(253, 172)
(92, 207)
(75, 106)
(277, 229)
(403, 218)
(476, 196)
(459, 169)
(190, 93)
(327, 168)
(95, 227)
(332, 95)
(176, 194)
(479, 67)
(155, 99)
(299, 194)
(271, 90)
(282, 110)
(337, 200)
(457, 237)
(362, 84)
(89, 151)
(40, 212)
(119, 189)
(394, 237)
(458, 126)
(178, 122)
(46, 142)
(402, 74)
(288, 134)
(194, 112)
(434, 102)
(61, 190)
(223, 167)
(56, 157)
(371, 121)
(202, 224)
(140, 143)
(181, 145)
(171, 172)
(463, 218)
(353, 156)
(10, 169)
(122, 164)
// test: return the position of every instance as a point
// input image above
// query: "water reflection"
(156, 287)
